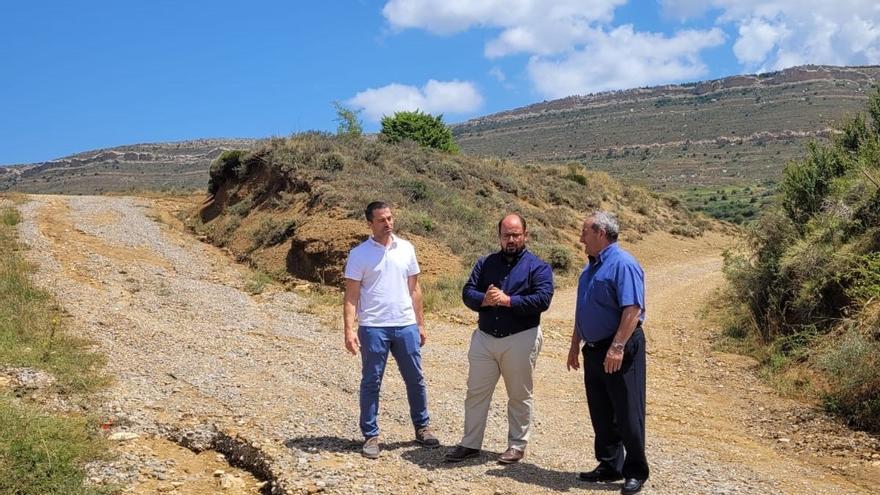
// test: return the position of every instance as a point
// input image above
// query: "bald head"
(512, 217)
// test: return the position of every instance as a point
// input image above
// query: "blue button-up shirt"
(609, 282)
(526, 279)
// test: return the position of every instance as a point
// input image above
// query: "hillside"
(293, 207)
(734, 131)
(180, 165)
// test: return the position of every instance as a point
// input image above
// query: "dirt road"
(265, 377)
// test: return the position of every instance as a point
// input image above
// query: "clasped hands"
(495, 297)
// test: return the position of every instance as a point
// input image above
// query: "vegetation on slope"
(294, 207)
(40, 453)
(807, 289)
(423, 128)
(735, 132)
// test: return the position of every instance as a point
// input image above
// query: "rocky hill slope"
(180, 165)
(732, 131)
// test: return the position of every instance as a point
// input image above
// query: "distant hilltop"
(735, 130)
(174, 165)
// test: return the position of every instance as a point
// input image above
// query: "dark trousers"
(617, 406)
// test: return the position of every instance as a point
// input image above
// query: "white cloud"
(756, 39)
(572, 45)
(776, 34)
(435, 97)
(527, 26)
(498, 74)
(623, 58)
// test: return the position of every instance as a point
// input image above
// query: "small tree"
(420, 127)
(349, 124)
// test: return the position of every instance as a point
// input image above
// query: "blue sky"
(76, 76)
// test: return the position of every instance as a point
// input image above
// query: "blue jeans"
(405, 346)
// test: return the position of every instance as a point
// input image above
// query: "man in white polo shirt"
(382, 289)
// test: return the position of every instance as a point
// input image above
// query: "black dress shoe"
(602, 474)
(631, 486)
(460, 453)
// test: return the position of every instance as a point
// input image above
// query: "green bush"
(227, 166)
(349, 125)
(422, 128)
(9, 216)
(559, 258)
(413, 189)
(332, 161)
(853, 391)
(813, 261)
(806, 184)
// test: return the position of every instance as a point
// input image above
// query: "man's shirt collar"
(604, 253)
(377, 244)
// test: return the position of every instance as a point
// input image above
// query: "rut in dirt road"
(189, 347)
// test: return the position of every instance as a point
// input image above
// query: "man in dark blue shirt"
(608, 320)
(509, 290)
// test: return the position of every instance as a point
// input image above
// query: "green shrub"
(413, 189)
(349, 125)
(806, 184)
(422, 128)
(9, 216)
(242, 208)
(559, 258)
(227, 166)
(332, 161)
(813, 262)
(853, 391)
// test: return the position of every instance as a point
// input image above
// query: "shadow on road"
(432, 459)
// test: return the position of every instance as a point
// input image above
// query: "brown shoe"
(370, 450)
(460, 453)
(426, 437)
(511, 455)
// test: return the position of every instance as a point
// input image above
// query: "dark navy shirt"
(608, 283)
(526, 279)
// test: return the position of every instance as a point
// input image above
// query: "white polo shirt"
(383, 274)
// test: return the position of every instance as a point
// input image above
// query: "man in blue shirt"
(509, 290)
(608, 320)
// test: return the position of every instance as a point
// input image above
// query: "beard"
(512, 249)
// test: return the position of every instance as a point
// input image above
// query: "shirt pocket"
(602, 292)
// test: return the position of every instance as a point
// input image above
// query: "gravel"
(191, 351)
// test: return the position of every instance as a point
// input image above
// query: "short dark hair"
(517, 215)
(375, 205)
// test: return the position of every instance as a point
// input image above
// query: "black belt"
(606, 343)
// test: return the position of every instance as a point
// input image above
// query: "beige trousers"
(513, 358)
